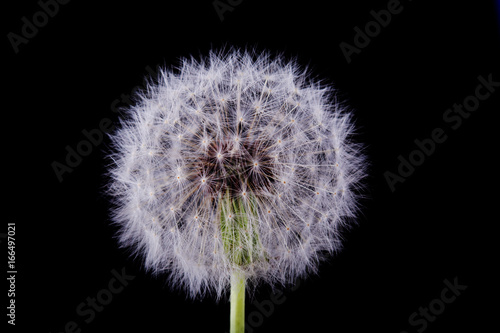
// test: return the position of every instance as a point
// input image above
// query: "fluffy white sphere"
(233, 162)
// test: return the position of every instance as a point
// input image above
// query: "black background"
(436, 225)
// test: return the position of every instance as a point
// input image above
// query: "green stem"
(237, 303)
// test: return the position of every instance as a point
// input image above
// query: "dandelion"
(234, 170)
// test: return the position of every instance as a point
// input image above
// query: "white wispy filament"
(233, 162)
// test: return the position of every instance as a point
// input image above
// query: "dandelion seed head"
(244, 163)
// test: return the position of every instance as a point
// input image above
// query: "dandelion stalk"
(235, 169)
(237, 322)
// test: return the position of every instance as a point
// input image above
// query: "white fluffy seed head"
(239, 162)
